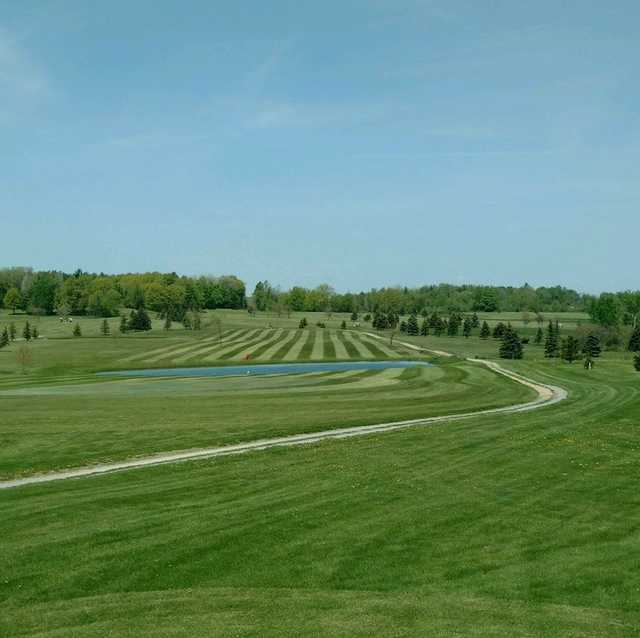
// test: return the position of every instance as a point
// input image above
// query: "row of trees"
(80, 293)
(444, 298)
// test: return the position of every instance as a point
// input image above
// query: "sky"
(360, 143)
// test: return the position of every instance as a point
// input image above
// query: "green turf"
(519, 525)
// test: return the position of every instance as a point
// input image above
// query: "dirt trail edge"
(547, 395)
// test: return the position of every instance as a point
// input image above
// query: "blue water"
(274, 368)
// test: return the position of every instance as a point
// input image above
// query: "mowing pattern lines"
(317, 352)
(271, 351)
(296, 350)
(256, 348)
(338, 346)
(380, 345)
(221, 353)
(237, 337)
(170, 354)
(362, 350)
(147, 353)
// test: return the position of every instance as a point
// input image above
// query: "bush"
(320, 324)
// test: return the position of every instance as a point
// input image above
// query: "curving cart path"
(547, 395)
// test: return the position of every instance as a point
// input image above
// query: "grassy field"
(512, 525)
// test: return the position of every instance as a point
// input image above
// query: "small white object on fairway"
(547, 395)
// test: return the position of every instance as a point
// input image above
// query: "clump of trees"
(511, 344)
(81, 293)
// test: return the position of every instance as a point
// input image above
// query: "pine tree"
(475, 322)
(34, 332)
(439, 327)
(303, 323)
(592, 346)
(403, 326)
(412, 325)
(499, 330)
(26, 333)
(424, 328)
(104, 328)
(454, 325)
(354, 316)
(511, 346)
(77, 332)
(434, 320)
(485, 331)
(167, 323)
(139, 320)
(123, 324)
(551, 342)
(539, 336)
(343, 325)
(636, 362)
(4, 338)
(569, 350)
(12, 331)
(634, 340)
(466, 327)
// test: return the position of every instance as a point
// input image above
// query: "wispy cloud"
(303, 114)
(258, 77)
(23, 83)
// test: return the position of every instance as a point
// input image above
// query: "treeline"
(444, 298)
(100, 295)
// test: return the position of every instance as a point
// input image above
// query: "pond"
(271, 368)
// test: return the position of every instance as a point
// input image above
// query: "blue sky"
(361, 143)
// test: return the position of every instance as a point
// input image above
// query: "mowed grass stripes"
(268, 344)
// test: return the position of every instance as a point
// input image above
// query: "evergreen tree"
(367, 317)
(485, 331)
(12, 331)
(26, 333)
(123, 324)
(466, 327)
(570, 349)
(454, 325)
(139, 320)
(186, 321)
(634, 340)
(511, 346)
(343, 325)
(403, 326)
(412, 325)
(34, 332)
(424, 328)
(104, 328)
(303, 323)
(592, 346)
(439, 327)
(551, 342)
(77, 332)
(354, 316)
(4, 338)
(499, 330)
(167, 323)
(434, 320)
(475, 322)
(539, 336)
(636, 362)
